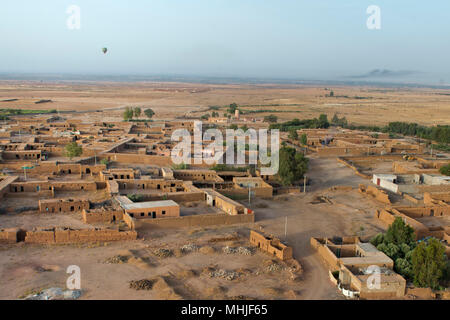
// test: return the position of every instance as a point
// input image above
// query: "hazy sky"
(314, 39)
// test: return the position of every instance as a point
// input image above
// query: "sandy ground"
(361, 105)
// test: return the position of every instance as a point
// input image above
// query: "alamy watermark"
(74, 280)
(374, 20)
(211, 148)
(73, 22)
(374, 280)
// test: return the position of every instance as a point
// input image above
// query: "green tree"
(232, 108)
(149, 113)
(137, 112)
(404, 267)
(304, 139)
(397, 243)
(335, 119)
(128, 114)
(323, 121)
(292, 167)
(399, 232)
(293, 134)
(73, 150)
(429, 263)
(233, 126)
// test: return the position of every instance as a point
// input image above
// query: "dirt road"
(306, 220)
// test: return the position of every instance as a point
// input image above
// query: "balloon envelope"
(104, 50)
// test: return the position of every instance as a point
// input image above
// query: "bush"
(149, 113)
(73, 150)
(445, 170)
(136, 197)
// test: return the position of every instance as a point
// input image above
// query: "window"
(163, 212)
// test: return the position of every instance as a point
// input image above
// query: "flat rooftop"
(149, 204)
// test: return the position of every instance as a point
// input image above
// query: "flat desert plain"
(360, 105)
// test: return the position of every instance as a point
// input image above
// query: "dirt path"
(306, 220)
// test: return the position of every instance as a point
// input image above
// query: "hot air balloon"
(104, 50)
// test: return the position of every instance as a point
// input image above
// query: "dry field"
(361, 105)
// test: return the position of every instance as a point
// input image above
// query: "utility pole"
(304, 184)
(249, 194)
(285, 229)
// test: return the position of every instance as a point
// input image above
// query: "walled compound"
(348, 261)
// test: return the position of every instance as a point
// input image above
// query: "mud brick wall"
(357, 172)
(391, 287)
(388, 217)
(342, 151)
(271, 246)
(41, 236)
(66, 236)
(411, 198)
(156, 212)
(47, 185)
(266, 192)
(5, 184)
(201, 220)
(138, 158)
(63, 205)
(325, 254)
(153, 184)
(229, 206)
(112, 187)
(377, 194)
(131, 222)
(435, 188)
(11, 235)
(175, 196)
(434, 198)
(91, 216)
(418, 212)
(22, 155)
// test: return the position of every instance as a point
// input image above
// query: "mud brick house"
(149, 209)
(271, 245)
(4, 184)
(215, 199)
(197, 175)
(63, 205)
(257, 186)
(39, 186)
(351, 263)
